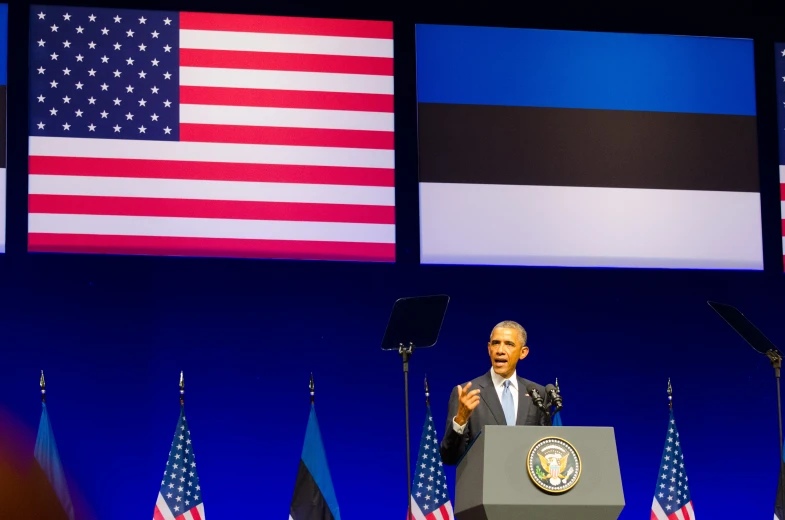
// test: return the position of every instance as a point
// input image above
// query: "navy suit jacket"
(489, 411)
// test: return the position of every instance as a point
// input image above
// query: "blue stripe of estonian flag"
(570, 69)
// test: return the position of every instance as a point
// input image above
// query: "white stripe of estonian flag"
(589, 227)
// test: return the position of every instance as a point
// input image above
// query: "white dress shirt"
(498, 384)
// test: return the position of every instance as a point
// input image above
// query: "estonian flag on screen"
(560, 148)
(314, 495)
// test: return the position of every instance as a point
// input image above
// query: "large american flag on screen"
(672, 498)
(180, 497)
(430, 496)
(196, 134)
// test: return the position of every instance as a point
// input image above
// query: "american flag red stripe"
(285, 149)
(286, 61)
(163, 513)
(782, 208)
(209, 247)
(684, 513)
(187, 208)
(141, 168)
(287, 136)
(287, 25)
(286, 99)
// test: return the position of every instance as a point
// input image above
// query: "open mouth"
(499, 362)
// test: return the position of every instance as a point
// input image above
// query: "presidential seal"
(554, 465)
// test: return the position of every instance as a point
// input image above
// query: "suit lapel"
(491, 399)
(524, 402)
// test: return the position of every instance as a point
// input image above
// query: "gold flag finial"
(670, 394)
(42, 382)
(558, 390)
(182, 388)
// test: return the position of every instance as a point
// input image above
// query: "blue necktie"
(507, 404)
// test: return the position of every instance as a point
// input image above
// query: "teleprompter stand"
(761, 343)
(414, 323)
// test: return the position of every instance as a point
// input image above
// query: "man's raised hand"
(467, 402)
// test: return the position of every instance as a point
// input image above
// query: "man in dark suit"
(498, 397)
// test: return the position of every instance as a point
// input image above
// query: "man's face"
(505, 350)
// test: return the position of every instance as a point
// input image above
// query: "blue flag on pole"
(314, 496)
(557, 419)
(48, 459)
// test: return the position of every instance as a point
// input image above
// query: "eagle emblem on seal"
(554, 465)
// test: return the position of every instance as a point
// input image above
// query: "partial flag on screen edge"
(180, 496)
(430, 496)
(779, 53)
(672, 497)
(206, 134)
(47, 458)
(314, 495)
(3, 124)
(556, 421)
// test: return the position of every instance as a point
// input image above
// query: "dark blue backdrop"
(113, 333)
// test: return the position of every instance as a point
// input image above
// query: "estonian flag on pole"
(314, 495)
(48, 459)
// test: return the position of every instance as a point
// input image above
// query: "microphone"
(536, 397)
(553, 393)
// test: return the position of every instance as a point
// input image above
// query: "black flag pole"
(310, 386)
(42, 383)
(182, 389)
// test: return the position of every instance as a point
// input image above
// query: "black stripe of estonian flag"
(308, 503)
(476, 144)
(314, 496)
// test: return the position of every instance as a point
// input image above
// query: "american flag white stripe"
(209, 190)
(656, 511)
(287, 117)
(162, 509)
(286, 80)
(299, 110)
(445, 512)
(287, 43)
(211, 228)
(210, 152)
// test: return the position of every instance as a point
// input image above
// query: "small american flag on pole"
(193, 134)
(672, 498)
(180, 497)
(430, 496)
